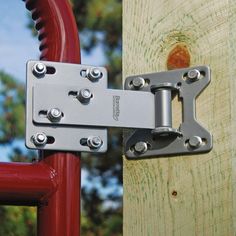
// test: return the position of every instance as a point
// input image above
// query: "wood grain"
(184, 195)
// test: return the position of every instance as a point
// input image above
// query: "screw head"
(54, 115)
(84, 95)
(194, 74)
(141, 147)
(39, 69)
(39, 139)
(94, 74)
(195, 142)
(138, 82)
(94, 142)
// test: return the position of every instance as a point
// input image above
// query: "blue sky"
(18, 46)
(16, 43)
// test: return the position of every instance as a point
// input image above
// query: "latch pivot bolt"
(94, 142)
(39, 69)
(54, 115)
(39, 139)
(93, 74)
(194, 74)
(138, 82)
(84, 95)
(141, 147)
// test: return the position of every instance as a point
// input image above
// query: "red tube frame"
(53, 184)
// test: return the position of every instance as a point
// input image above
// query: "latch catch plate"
(190, 137)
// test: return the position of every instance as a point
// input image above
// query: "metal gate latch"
(69, 107)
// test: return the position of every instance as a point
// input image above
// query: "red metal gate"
(53, 183)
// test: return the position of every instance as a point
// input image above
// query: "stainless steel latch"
(69, 107)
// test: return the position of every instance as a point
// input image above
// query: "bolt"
(93, 74)
(39, 69)
(195, 142)
(94, 142)
(54, 115)
(141, 147)
(194, 74)
(84, 95)
(138, 82)
(39, 139)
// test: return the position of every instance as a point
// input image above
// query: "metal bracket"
(190, 137)
(69, 107)
(54, 135)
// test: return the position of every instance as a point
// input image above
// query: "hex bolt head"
(84, 95)
(194, 74)
(39, 139)
(195, 142)
(141, 147)
(138, 82)
(94, 142)
(54, 115)
(94, 74)
(39, 69)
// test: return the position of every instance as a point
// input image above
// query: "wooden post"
(184, 195)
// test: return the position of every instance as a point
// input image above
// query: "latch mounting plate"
(56, 136)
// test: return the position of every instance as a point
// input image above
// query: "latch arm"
(101, 108)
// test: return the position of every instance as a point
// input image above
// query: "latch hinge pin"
(163, 110)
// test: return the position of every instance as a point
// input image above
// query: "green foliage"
(102, 17)
(99, 220)
(17, 221)
(12, 99)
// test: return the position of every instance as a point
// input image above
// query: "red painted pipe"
(26, 184)
(53, 184)
(61, 215)
(59, 42)
(57, 30)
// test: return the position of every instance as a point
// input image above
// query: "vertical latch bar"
(163, 109)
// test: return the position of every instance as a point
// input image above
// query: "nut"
(141, 147)
(195, 142)
(84, 95)
(54, 115)
(39, 69)
(94, 142)
(94, 74)
(39, 139)
(194, 74)
(138, 82)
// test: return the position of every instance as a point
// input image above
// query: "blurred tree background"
(99, 24)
